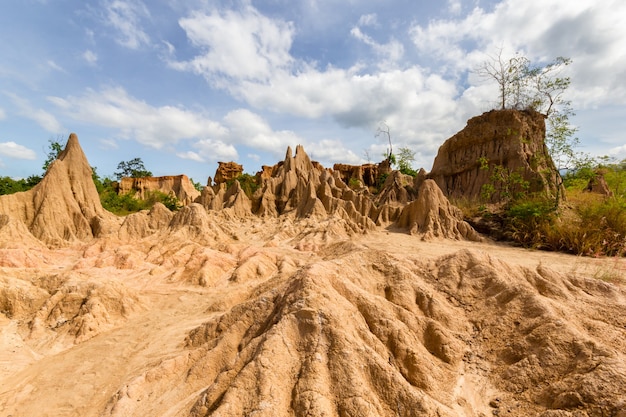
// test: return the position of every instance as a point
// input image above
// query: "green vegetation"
(249, 184)
(9, 186)
(404, 161)
(132, 169)
(589, 224)
(505, 185)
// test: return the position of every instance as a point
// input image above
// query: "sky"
(183, 84)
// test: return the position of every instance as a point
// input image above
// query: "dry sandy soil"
(306, 308)
(272, 322)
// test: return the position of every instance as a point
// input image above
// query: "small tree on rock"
(133, 169)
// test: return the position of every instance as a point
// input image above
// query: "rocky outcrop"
(368, 174)
(598, 185)
(227, 171)
(303, 189)
(432, 216)
(179, 186)
(64, 206)
(510, 139)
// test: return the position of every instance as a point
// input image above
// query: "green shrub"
(248, 183)
(380, 182)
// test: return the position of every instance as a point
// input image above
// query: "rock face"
(598, 185)
(178, 185)
(300, 188)
(367, 174)
(511, 139)
(227, 171)
(64, 206)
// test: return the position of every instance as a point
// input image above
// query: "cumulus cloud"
(125, 16)
(166, 126)
(14, 150)
(211, 150)
(246, 127)
(237, 44)
(586, 33)
(389, 52)
(152, 126)
(618, 152)
(43, 118)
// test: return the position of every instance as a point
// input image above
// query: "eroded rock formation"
(510, 139)
(227, 171)
(302, 299)
(64, 207)
(180, 186)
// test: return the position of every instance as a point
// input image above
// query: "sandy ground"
(53, 374)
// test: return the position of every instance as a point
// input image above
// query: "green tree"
(562, 145)
(133, 169)
(404, 161)
(55, 147)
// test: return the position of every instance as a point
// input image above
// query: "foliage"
(505, 185)
(404, 159)
(125, 204)
(133, 169)
(510, 77)
(380, 182)
(9, 186)
(198, 186)
(55, 147)
(522, 85)
(354, 183)
(248, 183)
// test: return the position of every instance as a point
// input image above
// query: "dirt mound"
(368, 332)
(65, 205)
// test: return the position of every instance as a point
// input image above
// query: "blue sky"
(183, 84)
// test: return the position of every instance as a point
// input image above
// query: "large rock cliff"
(511, 140)
(178, 185)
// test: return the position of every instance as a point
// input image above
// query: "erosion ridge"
(307, 298)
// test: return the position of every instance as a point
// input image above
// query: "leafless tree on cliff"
(383, 130)
(510, 75)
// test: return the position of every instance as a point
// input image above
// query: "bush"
(248, 184)
(125, 204)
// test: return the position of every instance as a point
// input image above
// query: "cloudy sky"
(183, 84)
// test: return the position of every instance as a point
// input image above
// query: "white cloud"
(90, 57)
(125, 17)
(39, 116)
(55, 66)
(3, 114)
(211, 150)
(390, 52)
(14, 150)
(246, 127)
(243, 45)
(455, 6)
(368, 20)
(152, 126)
(618, 152)
(591, 34)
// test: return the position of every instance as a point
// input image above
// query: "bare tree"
(383, 130)
(510, 75)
